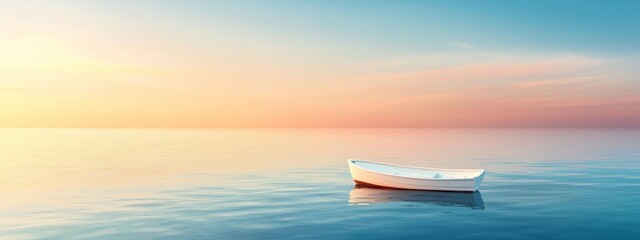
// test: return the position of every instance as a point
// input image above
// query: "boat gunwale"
(352, 162)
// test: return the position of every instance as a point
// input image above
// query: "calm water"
(294, 184)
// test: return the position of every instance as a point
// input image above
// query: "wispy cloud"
(556, 82)
(496, 70)
(458, 44)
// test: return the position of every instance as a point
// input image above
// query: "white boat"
(374, 174)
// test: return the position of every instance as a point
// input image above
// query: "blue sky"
(600, 27)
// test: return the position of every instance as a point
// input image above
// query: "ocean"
(295, 184)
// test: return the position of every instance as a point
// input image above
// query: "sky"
(388, 64)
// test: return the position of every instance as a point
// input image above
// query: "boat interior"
(417, 172)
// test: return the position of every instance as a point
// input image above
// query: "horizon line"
(320, 127)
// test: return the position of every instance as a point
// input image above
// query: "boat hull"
(366, 177)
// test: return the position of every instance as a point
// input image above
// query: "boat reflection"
(361, 195)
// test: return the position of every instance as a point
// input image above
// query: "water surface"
(294, 184)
